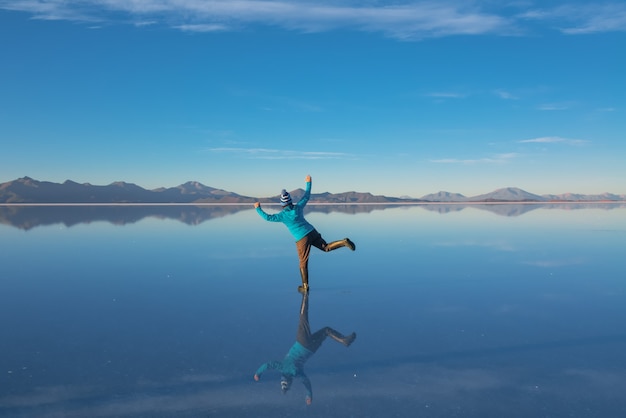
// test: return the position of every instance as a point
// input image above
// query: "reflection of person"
(292, 365)
(304, 233)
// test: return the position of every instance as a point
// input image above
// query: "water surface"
(163, 311)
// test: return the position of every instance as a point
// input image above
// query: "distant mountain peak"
(443, 196)
(27, 180)
(513, 190)
(195, 184)
(509, 194)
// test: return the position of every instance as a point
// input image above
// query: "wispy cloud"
(496, 245)
(554, 140)
(503, 94)
(446, 95)
(409, 20)
(583, 18)
(495, 159)
(555, 106)
(276, 154)
(554, 263)
(203, 27)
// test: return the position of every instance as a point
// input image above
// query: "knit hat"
(285, 198)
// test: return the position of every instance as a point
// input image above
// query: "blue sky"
(391, 97)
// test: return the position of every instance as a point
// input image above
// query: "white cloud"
(554, 106)
(583, 18)
(554, 263)
(503, 94)
(410, 20)
(554, 139)
(203, 28)
(495, 159)
(501, 245)
(275, 154)
(594, 18)
(446, 95)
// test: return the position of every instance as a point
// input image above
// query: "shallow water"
(162, 311)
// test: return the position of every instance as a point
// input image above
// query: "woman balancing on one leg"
(304, 233)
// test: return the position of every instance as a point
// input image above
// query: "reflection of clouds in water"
(260, 252)
(494, 307)
(491, 307)
(506, 308)
(190, 378)
(408, 379)
(202, 378)
(439, 308)
(558, 297)
(201, 403)
(556, 262)
(609, 383)
(46, 396)
(69, 401)
(498, 245)
(401, 383)
(350, 390)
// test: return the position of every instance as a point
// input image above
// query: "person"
(306, 345)
(305, 234)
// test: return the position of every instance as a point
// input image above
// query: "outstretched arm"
(309, 391)
(278, 217)
(307, 191)
(272, 365)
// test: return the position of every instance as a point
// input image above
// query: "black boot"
(304, 288)
(338, 244)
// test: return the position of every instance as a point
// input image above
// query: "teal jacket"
(292, 216)
(292, 366)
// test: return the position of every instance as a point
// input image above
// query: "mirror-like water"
(168, 311)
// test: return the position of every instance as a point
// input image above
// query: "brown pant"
(303, 246)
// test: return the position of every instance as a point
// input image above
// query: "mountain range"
(26, 190)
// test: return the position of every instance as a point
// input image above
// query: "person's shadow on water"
(307, 343)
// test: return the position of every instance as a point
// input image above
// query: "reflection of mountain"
(498, 209)
(513, 209)
(348, 209)
(30, 216)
